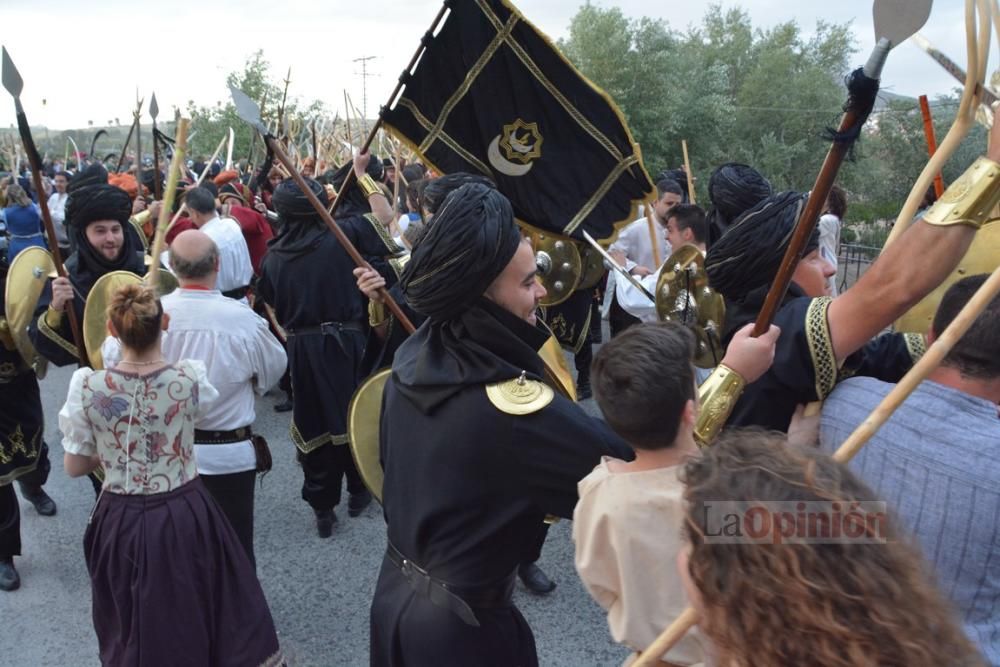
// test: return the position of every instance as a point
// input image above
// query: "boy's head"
(644, 383)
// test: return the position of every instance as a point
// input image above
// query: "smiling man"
(476, 449)
(97, 216)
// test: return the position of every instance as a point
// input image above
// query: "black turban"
(301, 225)
(735, 188)
(745, 261)
(471, 241)
(97, 202)
(95, 174)
(90, 204)
(437, 190)
(291, 203)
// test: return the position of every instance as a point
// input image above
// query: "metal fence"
(852, 262)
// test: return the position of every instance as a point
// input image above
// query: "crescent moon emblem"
(503, 165)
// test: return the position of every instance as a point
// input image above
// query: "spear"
(284, 97)
(128, 139)
(250, 113)
(14, 84)
(253, 139)
(154, 111)
(138, 143)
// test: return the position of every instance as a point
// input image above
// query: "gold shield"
(683, 296)
(983, 256)
(363, 426)
(559, 265)
(557, 373)
(95, 313)
(26, 280)
(593, 267)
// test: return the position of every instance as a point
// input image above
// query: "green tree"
(212, 123)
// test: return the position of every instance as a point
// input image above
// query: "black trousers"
(537, 543)
(324, 469)
(618, 319)
(10, 523)
(10, 510)
(234, 495)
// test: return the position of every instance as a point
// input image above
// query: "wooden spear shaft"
(687, 170)
(925, 111)
(173, 176)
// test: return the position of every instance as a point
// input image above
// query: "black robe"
(467, 485)
(306, 277)
(805, 367)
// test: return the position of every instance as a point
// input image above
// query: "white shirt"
(637, 244)
(242, 357)
(235, 269)
(57, 209)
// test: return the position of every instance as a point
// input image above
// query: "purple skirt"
(172, 585)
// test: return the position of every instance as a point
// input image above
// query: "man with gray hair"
(242, 357)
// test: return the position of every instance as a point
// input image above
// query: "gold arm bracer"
(971, 199)
(717, 395)
(377, 315)
(368, 186)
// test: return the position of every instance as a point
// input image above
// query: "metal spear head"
(11, 77)
(154, 108)
(895, 22)
(247, 109)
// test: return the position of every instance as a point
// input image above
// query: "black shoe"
(10, 580)
(44, 505)
(286, 406)
(583, 391)
(357, 502)
(535, 580)
(324, 522)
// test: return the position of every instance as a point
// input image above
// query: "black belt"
(222, 437)
(459, 600)
(237, 292)
(328, 328)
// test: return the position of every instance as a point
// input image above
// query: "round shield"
(593, 267)
(26, 279)
(166, 282)
(557, 373)
(983, 256)
(363, 425)
(95, 313)
(559, 266)
(683, 296)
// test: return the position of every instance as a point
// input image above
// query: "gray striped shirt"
(936, 462)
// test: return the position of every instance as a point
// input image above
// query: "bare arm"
(77, 465)
(906, 272)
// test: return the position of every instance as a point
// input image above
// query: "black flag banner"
(490, 94)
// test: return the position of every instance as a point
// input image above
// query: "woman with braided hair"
(164, 562)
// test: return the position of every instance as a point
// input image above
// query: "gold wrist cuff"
(6, 338)
(53, 317)
(376, 314)
(717, 396)
(971, 199)
(368, 186)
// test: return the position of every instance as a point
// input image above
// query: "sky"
(87, 61)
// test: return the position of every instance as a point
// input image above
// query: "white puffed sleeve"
(207, 394)
(78, 436)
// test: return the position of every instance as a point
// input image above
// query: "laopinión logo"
(795, 522)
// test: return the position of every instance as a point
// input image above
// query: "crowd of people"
(480, 448)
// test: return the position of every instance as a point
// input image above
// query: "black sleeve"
(55, 344)
(553, 449)
(887, 358)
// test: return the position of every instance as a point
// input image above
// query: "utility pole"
(364, 89)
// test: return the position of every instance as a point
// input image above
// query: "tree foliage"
(257, 81)
(745, 94)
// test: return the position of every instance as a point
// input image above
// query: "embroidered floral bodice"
(140, 426)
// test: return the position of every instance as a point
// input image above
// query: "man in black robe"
(306, 278)
(824, 338)
(476, 449)
(105, 241)
(23, 454)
